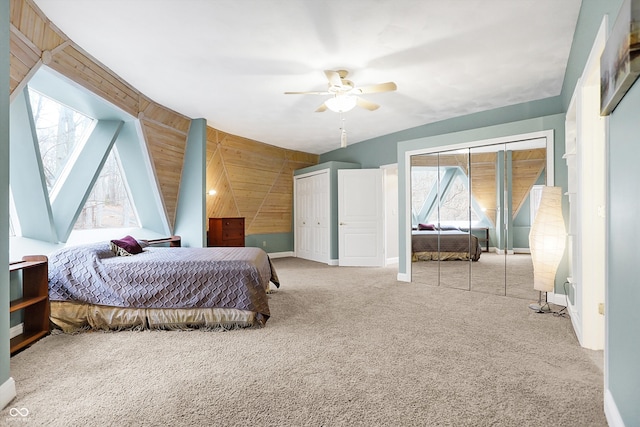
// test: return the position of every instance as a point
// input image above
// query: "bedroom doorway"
(471, 216)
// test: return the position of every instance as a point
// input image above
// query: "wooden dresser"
(226, 232)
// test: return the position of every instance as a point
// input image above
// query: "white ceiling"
(230, 61)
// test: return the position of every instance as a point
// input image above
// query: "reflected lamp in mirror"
(547, 241)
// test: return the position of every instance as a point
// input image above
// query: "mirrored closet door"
(472, 210)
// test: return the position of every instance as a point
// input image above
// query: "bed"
(90, 287)
(428, 245)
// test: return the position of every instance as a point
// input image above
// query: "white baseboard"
(334, 262)
(404, 277)
(614, 419)
(281, 254)
(7, 392)
(522, 250)
(391, 261)
(557, 299)
(16, 330)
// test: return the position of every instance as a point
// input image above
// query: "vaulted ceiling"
(230, 61)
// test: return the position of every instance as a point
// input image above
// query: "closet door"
(488, 192)
(311, 228)
(453, 221)
(425, 180)
(525, 169)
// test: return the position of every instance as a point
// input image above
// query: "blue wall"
(623, 287)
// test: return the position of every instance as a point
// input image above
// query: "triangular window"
(424, 181)
(61, 131)
(109, 203)
(454, 204)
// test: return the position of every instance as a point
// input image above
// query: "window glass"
(109, 204)
(60, 131)
(454, 206)
(424, 181)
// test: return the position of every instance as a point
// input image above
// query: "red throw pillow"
(426, 227)
(127, 244)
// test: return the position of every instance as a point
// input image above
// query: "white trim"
(521, 250)
(614, 419)
(548, 135)
(286, 254)
(16, 330)
(333, 262)
(558, 299)
(7, 392)
(390, 261)
(403, 277)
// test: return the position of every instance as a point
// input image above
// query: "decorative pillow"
(426, 227)
(126, 246)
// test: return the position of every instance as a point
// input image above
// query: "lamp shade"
(341, 103)
(547, 239)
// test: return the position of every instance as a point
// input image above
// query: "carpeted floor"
(506, 275)
(344, 347)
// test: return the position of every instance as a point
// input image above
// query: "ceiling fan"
(345, 95)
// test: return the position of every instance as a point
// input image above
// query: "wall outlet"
(264, 243)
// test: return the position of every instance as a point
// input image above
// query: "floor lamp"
(547, 241)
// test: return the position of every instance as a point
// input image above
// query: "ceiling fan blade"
(321, 108)
(308, 93)
(371, 106)
(333, 77)
(381, 87)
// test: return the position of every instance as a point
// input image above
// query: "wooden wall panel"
(82, 69)
(166, 148)
(156, 112)
(253, 180)
(527, 167)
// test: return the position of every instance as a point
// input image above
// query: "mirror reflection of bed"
(478, 191)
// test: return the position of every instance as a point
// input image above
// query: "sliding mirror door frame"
(521, 139)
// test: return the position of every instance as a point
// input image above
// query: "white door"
(360, 217)
(311, 196)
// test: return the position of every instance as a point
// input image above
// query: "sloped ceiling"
(231, 61)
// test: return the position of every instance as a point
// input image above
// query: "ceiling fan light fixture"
(341, 103)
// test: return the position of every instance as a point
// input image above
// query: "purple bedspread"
(163, 277)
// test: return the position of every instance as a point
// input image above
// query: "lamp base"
(540, 308)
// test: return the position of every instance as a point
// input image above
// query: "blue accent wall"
(623, 283)
(191, 211)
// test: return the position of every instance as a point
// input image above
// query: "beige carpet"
(344, 347)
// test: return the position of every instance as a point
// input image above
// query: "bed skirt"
(442, 256)
(74, 316)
